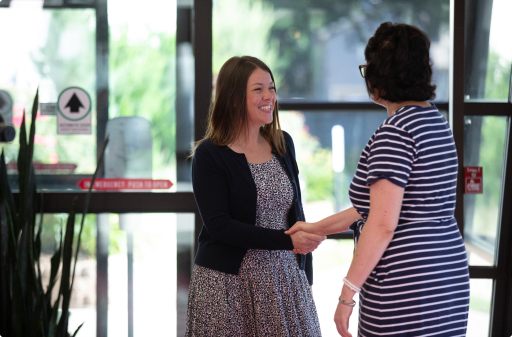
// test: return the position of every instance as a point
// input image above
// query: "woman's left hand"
(341, 318)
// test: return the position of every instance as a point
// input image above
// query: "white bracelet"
(351, 286)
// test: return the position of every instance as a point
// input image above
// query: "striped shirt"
(420, 286)
(413, 149)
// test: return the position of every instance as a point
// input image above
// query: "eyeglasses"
(362, 70)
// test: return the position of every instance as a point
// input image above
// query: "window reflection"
(479, 307)
(330, 264)
(488, 56)
(325, 191)
(83, 297)
(55, 51)
(314, 47)
(484, 146)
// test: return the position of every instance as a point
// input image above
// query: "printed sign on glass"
(74, 112)
(473, 180)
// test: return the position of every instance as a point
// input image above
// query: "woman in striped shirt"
(410, 265)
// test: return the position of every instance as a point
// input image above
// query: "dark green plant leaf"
(67, 254)
(18, 318)
(24, 265)
(5, 294)
(37, 257)
(23, 164)
(52, 329)
(35, 106)
(77, 329)
(36, 326)
(55, 266)
(6, 190)
(87, 201)
(26, 175)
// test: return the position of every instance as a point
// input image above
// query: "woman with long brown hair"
(246, 280)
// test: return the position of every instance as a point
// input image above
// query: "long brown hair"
(228, 112)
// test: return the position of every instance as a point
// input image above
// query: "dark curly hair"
(398, 64)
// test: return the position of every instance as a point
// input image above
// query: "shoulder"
(207, 146)
(287, 139)
(408, 117)
(207, 152)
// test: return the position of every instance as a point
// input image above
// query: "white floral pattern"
(270, 296)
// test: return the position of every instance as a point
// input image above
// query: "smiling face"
(261, 98)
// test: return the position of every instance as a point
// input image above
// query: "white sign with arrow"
(74, 112)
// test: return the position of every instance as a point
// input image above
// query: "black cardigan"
(226, 195)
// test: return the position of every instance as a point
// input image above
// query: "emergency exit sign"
(473, 180)
(113, 184)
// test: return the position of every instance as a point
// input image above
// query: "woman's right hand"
(304, 227)
(304, 242)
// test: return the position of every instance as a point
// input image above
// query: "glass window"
(484, 146)
(142, 74)
(330, 264)
(162, 253)
(325, 187)
(479, 307)
(314, 48)
(55, 51)
(488, 53)
(83, 298)
(154, 273)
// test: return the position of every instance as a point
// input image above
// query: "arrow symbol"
(74, 104)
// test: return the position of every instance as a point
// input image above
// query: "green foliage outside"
(53, 223)
(497, 81)
(67, 59)
(491, 151)
(287, 36)
(252, 37)
(243, 28)
(142, 83)
(315, 162)
(492, 147)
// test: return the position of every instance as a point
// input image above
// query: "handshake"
(305, 237)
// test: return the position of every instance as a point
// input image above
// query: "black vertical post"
(184, 94)
(102, 240)
(457, 13)
(184, 142)
(102, 50)
(202, 37)
(478, 28)
(102, 223)
(477, 32)
(501, 310)
(510, 87)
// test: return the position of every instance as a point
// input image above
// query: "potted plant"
(26, 307)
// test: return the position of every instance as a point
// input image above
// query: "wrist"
(350, 303)
(347, 294)
(318, 228)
